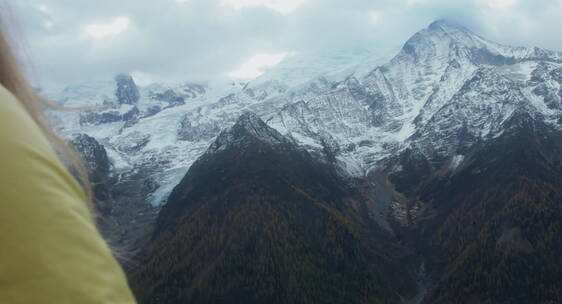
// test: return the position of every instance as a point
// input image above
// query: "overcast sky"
(71, 41)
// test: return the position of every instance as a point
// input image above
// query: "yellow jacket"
(50, 249)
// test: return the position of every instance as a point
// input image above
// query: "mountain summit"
(248, 129)
(447, 24)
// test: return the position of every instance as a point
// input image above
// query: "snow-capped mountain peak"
(446, 89)
(247, 129)
(447, 24)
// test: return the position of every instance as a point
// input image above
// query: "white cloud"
(49, 24)
(258, 64)
(282, 6)
(110, 29)
(411, 2)
(204, 40)
(500, 4)
(43, 8)
(143, 78)
(376, 17)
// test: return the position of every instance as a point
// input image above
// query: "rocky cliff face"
(98, 165)
(125, 220)
(127, 91)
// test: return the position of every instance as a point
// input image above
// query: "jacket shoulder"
(52, 251)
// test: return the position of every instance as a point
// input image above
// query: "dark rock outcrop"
(98, 165)
(127, 91)
(171, 97)
(109, 115)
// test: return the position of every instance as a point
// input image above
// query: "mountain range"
(432, 178)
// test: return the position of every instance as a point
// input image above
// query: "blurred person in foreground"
(50, 248)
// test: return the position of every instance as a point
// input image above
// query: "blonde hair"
(13, 79)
